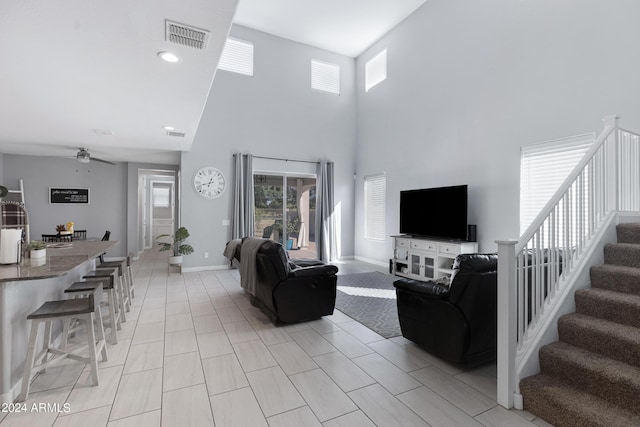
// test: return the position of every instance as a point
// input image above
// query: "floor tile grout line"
(203, 283)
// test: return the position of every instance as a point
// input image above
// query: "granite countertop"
(61, 258)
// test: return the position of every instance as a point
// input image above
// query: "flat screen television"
(435, 212)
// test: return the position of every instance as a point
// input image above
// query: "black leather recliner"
(292, 290)
(456, 323)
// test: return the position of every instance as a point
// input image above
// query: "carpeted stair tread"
(610, 305)
(564, 406)
(627, 254)
(628, 233)
(608, 379)
(619, 342)
(616, 278)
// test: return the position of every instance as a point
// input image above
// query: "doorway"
(162, 210)
(285, 211)
(154, 216)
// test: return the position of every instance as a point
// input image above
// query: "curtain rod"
(284, 160)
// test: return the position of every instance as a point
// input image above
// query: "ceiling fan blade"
(95, 159)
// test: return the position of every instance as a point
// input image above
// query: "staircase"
(591, 377)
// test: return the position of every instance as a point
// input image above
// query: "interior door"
(162, 217)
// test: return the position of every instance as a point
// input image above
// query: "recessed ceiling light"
(169, 57)
(169, 127)
(103, 131)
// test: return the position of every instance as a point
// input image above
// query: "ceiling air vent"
(185, 35)
(173, 133)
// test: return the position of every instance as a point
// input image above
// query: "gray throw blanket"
(248, 270)
(230, 249)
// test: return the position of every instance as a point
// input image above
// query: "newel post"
(507, 321)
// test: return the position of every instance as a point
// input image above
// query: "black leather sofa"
(291, 290)
(456, 323)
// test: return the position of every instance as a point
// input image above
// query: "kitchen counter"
(61, 258)
(26, 286)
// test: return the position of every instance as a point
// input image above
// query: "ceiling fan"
(83, 156)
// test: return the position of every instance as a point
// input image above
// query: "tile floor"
(195, 352)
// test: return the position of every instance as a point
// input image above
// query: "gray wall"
(276, 114)
(470, 82)
(113, 194)
(107, 208)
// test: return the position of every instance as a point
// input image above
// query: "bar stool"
(116, 312)
(120, 265)
(130, 276)
(50, 311)
(82, 290)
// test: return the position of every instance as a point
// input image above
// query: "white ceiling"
(70, 67)
(347, 27)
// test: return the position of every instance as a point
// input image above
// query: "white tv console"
(426, 259)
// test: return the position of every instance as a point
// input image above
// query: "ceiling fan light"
(83, 159)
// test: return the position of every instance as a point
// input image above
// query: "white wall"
(470, 82)
(275, 114)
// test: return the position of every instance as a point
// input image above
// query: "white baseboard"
(205, 268)
(371, 261)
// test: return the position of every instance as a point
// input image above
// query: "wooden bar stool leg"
(113, 314)
(100, 332)
(66, 325)
(120, 295)
(92, 348)
(28, 365)
(47, 341)
(131, 286)
(127, 287)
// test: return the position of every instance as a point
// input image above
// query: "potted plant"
(293, 228)
(179, 248)
(37, 249)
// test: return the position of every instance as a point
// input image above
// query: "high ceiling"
(347, 27)
(75, 73)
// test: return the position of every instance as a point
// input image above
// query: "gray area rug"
(370, 298)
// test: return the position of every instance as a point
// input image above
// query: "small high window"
(237, 57)
(325, 77)
(375, 70)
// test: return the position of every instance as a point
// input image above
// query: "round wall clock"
(209, 182)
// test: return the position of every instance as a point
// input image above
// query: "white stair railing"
(534, 271)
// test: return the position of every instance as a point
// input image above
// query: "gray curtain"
(243, 205)
(326, 239)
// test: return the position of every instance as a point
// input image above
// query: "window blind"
(375, 70)
(325, 77)
(237, 57)
(543, 169)
(375, 193)
(161, 197)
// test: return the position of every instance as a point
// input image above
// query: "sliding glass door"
(285, 211)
